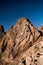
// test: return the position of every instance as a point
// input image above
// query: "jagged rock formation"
(2, 32)
(32, 56)
(19, 42)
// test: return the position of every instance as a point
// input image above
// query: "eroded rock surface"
(32, 56)
(17, 41)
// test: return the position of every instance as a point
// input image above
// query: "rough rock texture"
(32, 56)
(17, 45)
(40, 28)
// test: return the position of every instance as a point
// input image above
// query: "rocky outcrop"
(20, 38)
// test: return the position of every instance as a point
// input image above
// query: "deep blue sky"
(11, 10)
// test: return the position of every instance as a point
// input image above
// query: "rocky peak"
(25, 28)
(18, 39)
(25, 24)
(22, 33)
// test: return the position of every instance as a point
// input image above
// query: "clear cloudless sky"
(11, 10)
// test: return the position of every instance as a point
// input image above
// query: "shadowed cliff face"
(1, 31)
(19, 38)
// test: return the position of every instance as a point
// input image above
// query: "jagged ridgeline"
(21, 43)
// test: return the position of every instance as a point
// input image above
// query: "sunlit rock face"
(19, 42)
